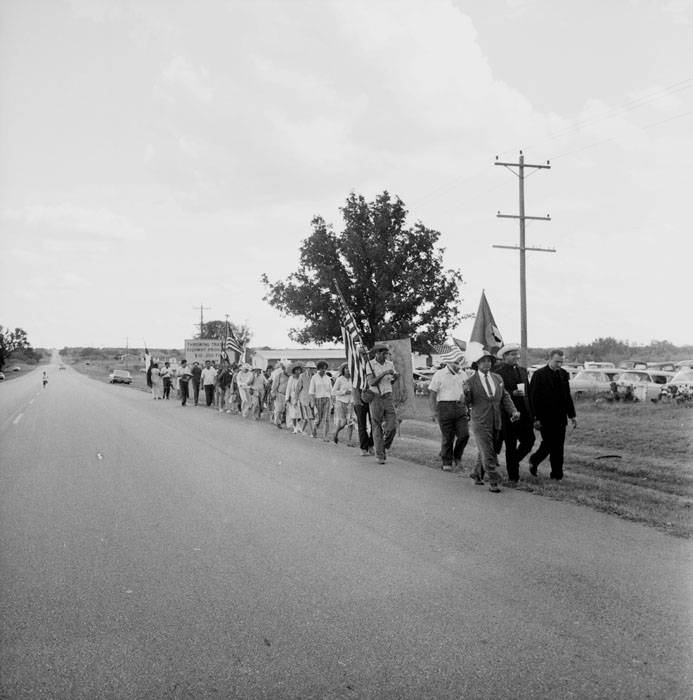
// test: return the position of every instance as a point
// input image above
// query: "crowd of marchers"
(494, 400)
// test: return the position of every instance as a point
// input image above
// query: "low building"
(263, 357)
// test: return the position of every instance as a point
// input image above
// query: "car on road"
(61, 367)
(645, 384)
(592, 383)
(120, 376)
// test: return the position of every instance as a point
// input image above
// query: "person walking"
(195, 381)
(280, 378)
(184, 375)
(343, 403)
(518, 437)
(256, 389)
(155, 375)
(292, 400)
(307, 418)
(485, 394)
(552, 406)
(380, 375)
(209, 376)
(320, 391)
(165, 373)
(243, 378)
(363, 423)
(449, 409)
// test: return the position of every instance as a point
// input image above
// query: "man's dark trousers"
(196, 390)
(209, 394)
(183, 391)
(167, 387)
(519, 440)
(362, 418)
(453, 420)
(552, 441)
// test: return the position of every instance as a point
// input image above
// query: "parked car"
(682, 379)
(61, 367)
(120, 376)
(2, 376)
(592, 383)
(644, 384)
(16, 368)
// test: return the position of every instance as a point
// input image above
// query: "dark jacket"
(549, 395)
(512, 376)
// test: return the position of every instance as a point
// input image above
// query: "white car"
(592, 383)
(680, 388)
(120, 376)
(644, 384)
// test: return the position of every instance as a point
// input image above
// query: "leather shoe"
(447, 468)
(493, 488)
(478, 481)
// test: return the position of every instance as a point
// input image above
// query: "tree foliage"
(217, 329)
(392, 277)
(13, 341)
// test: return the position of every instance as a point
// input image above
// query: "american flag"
(442, 349)
(353, 346)
(232, 343)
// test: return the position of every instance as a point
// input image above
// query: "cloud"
(102, 222)
(194, 80)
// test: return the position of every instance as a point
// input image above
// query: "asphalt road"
(154, 551)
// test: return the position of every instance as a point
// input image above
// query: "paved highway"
(154, 551)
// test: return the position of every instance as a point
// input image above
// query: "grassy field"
(632, 460)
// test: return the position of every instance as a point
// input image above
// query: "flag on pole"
(485, 335)
(353, 346)
(441, 349)
(460, 344)
(454, 355)
(232, 343)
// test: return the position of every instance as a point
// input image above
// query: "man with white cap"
(519, 436)
(446, 398)
(485, 394)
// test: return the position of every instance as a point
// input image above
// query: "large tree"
(392, 276)
(217, 329)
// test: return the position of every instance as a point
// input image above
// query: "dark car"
(120, 376)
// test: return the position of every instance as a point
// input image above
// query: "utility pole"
(522, 247)
(127, 349)
(202, 322)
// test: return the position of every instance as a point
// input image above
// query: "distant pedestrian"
(518, 437)
(292, 400)
(166, 379)
(256, 389)
(449, 409)
(195, 379)
(280, 378)
(155, 376)
(44, 379)
(307, 417)
(243, 378)
(485, 394)
(320, 392)
(380, 375)
(552, 405)
(184, 375)
(209, 376)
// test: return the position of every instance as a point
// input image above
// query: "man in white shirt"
(485, 394)
(380, 375)
(209, 375)
(446, 397)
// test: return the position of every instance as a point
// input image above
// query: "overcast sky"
(159, 155)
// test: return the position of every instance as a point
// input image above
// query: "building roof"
(303, 353)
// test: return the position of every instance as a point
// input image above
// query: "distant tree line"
(612, 350)
(15, 345)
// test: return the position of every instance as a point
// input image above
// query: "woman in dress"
(293, 400)
(155, 377)
(343, 408)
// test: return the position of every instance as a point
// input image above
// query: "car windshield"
(633, 377)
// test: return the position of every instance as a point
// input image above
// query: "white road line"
(17, 419)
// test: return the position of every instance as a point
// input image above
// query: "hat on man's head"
(379, 347)
(508, 347)
(310, 365)
(296, 366)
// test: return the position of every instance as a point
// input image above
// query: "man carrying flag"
(485, 334)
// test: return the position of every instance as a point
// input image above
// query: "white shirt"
(209, 374)
(490, 381)
(384, 386)
(342, 389)
(320, 387)
(448, 385)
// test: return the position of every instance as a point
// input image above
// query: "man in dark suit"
(485, 394)
(519, 436)
(552, 405)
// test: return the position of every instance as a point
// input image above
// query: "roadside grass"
(634, 461)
